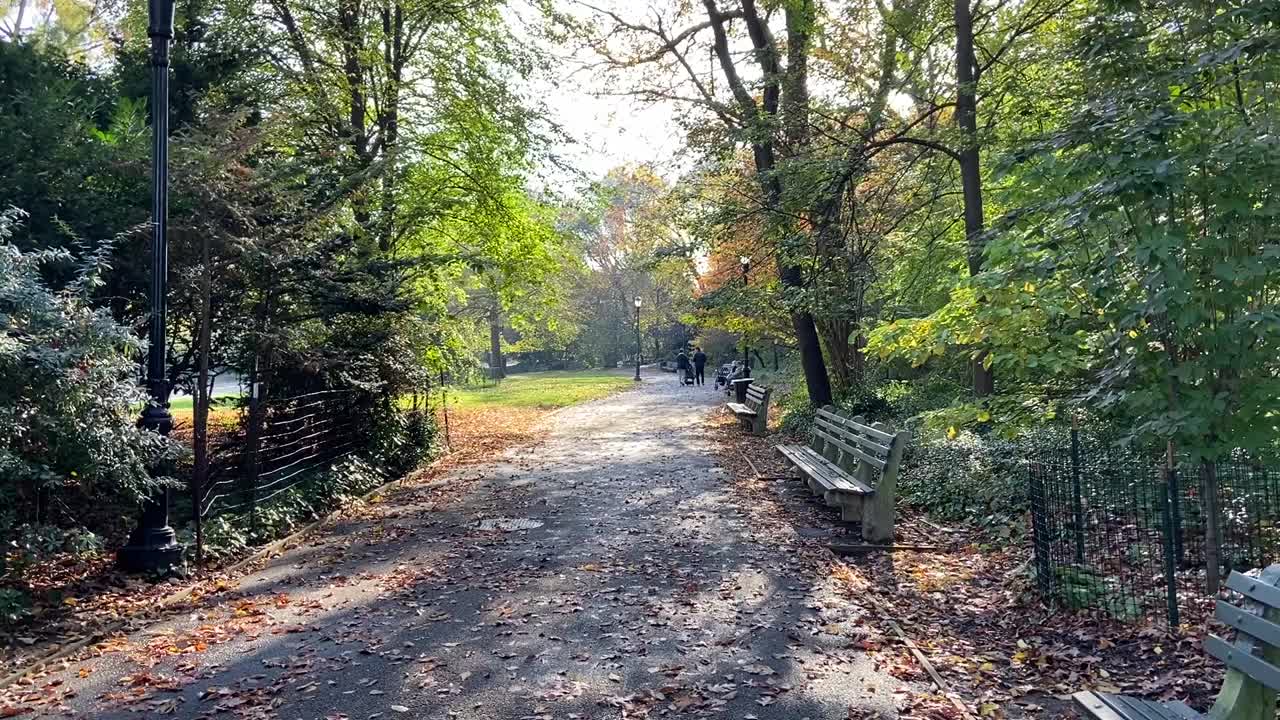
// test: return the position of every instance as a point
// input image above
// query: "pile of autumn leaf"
(972, 611)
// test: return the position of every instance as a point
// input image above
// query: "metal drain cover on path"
(507, 524)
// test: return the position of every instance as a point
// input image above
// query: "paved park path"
(624, 577)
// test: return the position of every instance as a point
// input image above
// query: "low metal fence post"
(1077, 509)
(253, 441)
(1170, 552)
(1040, 540)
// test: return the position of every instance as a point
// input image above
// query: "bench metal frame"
(1249, 689)
(754, 413)
(852, 466)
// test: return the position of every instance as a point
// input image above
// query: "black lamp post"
(152, 545)
(637, 338)
(746, 353)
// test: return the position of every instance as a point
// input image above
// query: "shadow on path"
(640, 587)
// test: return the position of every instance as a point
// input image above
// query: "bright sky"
(612, 131)
(608, 130)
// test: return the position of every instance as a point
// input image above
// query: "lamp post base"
(150, 550)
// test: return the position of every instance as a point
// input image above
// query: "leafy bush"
(231, 536)
(33, 543)
(972, 477)
(68, 383)
(14, 605)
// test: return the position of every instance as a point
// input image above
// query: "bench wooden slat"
(740, 409)
(875, 462)
(1094, 704)
(1255, 589)
(875, 433)
(1248, 623)
(1104, 706)
(851, 430)
(1247, 663)
(814, 465)
(830, 476)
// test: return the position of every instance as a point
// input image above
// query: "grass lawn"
(187, 403)
(546, 390)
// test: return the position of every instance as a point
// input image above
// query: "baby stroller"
(688, 377)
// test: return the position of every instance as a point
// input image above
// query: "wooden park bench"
(852, 466)
(754, 413)
(1249, 690)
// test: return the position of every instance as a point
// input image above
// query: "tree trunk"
(760, 117)
(497, 363)
(970, 166)
(815, 368)
(835, 341)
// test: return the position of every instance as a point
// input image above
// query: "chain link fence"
(1124, 535)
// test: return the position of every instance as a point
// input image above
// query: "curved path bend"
(633, 581)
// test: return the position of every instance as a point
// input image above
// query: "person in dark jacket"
(682, 366)
(699, 366)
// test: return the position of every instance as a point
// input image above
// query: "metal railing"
(281, 443)
(1124, 535)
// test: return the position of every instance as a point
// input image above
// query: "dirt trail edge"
(608, 571)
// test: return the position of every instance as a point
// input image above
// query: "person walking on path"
(682, 366)
(699, 366)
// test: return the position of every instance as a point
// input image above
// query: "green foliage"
(15, 605)
(1079, 588)
(969, 477)
(32, 544)
(68, 393)
(228, 537)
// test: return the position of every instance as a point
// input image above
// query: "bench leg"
(851, 508)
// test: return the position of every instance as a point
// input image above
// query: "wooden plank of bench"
(828, 475)
(857, 432)
(1105, 706)
(1093, 704)
(848, 433)
(876, 462)
(873, 434)
(1248, 623)
(1247, 663)
(740, 409)
(1255, 589)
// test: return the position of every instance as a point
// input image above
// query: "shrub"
(14, 605)
(68, 384)
(972, 477)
